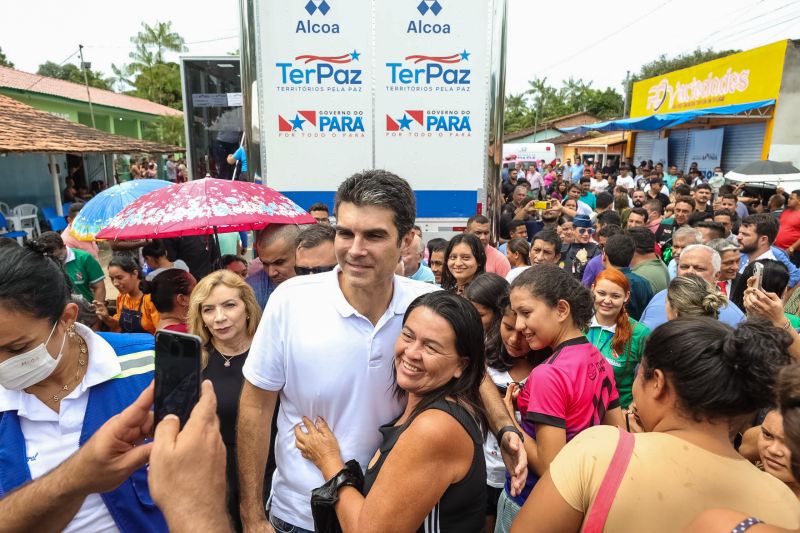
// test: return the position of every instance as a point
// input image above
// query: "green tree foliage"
(542, 102)
(161, 83)
(4, 62)
(663, 64)
(167, 130)
(70, 72)
(150, 75)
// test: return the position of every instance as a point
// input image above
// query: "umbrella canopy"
(99, 211)
(765, 171)
(203, 207)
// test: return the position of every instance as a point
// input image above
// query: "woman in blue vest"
(59, 382)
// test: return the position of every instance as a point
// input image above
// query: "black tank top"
(462, 507)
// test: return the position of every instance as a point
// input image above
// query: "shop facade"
(727, 112)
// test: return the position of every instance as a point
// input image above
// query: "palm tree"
(161, 37)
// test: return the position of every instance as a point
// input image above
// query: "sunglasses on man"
(305, 271)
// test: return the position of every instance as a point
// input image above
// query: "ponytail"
(623, 333)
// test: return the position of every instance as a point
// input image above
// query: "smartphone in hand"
(758, 275)
(177, 374)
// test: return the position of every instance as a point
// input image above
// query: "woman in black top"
(429, 473)
(224, 313)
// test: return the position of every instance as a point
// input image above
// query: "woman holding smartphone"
(59, 382)
(224, 313)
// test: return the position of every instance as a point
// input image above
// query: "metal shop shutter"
(741, 144)
(677, 148)
(643, 147)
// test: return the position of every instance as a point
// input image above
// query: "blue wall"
(25, 178)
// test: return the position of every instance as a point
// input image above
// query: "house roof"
(25, 81)
(602, 140)
(567, 138)
(26, 129)
(551, 123)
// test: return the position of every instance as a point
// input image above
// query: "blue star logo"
(405, 122)
(465, 55)
(297, 123)
(354, 55)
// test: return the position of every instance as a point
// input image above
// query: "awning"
(667, 120)
(601, 141)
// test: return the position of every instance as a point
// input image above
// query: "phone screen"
(177, 374)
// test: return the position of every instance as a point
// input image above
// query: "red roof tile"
(25, 129)
(25, 81)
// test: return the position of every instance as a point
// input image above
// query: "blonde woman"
(692, 296)
(224, 313)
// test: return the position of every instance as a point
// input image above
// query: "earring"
(71, 331)
(248, 317)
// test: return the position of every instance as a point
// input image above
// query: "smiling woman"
(465, 258)
(429, 473)
(224, 313)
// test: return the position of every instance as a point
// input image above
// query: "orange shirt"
(150, 316)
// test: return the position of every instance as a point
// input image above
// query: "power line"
(217, 39)
(759, 30)
(738, 29)
(611, 34)
(43, 77)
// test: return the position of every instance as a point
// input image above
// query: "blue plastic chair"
(4, 233)
(55, 222)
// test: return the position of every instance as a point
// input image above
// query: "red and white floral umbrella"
(203, 207)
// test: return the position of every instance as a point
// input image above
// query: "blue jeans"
(507, 510)
(282, 526)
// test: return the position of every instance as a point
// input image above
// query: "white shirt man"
(626, 180)
(325, 345)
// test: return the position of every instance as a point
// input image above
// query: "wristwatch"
(505, 429)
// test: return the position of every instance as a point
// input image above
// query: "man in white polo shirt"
(325, 346)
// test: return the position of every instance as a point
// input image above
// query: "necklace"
(227, 359)
(81, 363)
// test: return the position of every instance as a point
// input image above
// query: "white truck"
(415, 87)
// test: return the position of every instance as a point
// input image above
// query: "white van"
(528, 151)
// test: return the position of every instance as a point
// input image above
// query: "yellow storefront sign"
(750, 76)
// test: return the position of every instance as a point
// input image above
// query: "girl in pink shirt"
(570, 391)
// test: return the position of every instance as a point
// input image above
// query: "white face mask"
(29, 368)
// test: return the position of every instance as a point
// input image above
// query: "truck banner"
(402, 85)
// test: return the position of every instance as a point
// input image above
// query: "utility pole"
(84, 67)
(86, 82)
(627, 93)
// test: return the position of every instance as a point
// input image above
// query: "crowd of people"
(622, 358)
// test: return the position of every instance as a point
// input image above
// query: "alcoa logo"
(312, 123)
(321, 70)
(321, 8)
(430, 70)
(418, 120)
(428, 8)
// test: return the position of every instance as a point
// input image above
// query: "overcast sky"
(589, 39)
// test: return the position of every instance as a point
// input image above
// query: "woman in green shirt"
(614, 333)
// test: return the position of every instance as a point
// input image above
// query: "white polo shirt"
(326, 360)
(50, 437)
